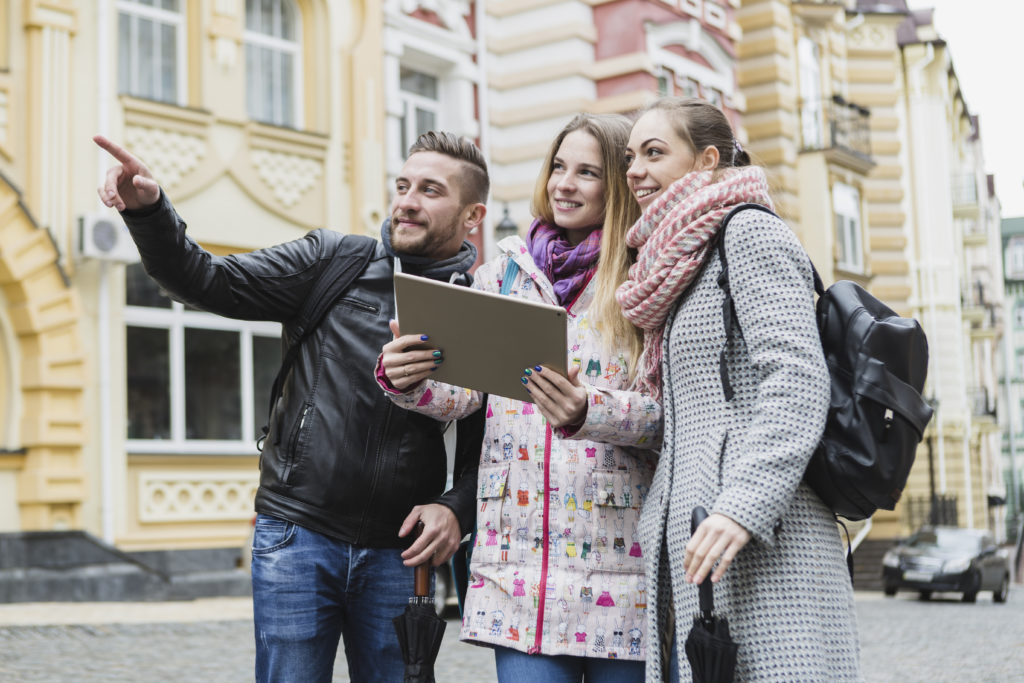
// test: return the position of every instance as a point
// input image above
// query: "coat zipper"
(293, 443)
(360, 305)
(543, 589)
(376, 468)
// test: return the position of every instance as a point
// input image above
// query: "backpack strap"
(728, 308)
(510, 274)
(355, 251)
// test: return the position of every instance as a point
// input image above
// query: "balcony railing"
(836, 123)
(939, 510)
(983, 403)
(964, 189)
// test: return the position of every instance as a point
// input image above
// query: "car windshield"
(946, 540)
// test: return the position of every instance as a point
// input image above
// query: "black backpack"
(877, 362)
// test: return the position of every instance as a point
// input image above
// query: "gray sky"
(985, 40)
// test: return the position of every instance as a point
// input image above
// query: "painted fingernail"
(537, 368)
(434, 368)
(528, 391)
(424, 337)
(527, 372)
(437, 354)
(438, 361)
(525, 381)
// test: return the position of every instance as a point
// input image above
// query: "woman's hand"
(716, 537)
(561, 400)
(406, 368)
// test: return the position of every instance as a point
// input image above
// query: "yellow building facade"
(867, 145)
(254, 117)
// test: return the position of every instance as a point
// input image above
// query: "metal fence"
(921, 510)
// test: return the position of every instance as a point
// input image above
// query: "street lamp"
(506, 227)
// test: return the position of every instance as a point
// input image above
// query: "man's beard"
(424, 245)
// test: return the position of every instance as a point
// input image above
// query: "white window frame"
(175, 320)
(1015, 258)
(411, 101)
(812, 105)
(1018, 316)
(849, 233)
(279, 46)
(157, 15)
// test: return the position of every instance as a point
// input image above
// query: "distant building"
(546, 61)
(1012, 418)
(855, 109)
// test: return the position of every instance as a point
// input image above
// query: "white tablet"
(487, 339)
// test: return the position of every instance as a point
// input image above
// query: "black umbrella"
(420, 631)
(710, 649)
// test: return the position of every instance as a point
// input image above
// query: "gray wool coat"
(787, 595)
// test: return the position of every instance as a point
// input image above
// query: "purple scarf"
(569, 268)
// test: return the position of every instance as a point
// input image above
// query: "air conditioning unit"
(104, 236)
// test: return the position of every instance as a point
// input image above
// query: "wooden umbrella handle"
(422, 580)
(421, 577)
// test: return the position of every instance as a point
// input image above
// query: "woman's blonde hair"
(611, 131)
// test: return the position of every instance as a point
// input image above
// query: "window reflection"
(149, 389)
(212, 385)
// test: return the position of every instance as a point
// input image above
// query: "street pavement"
(903, 639)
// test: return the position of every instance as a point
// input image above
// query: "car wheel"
(926, 595)
(971, 595)
(890, 590)
(442, 582)
(1000, 594)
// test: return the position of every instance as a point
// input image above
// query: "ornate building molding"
(175, 496)
(45, 314)
(289, 176)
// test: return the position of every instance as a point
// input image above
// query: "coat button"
(777, 527)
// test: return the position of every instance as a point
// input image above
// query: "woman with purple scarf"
(568, 500)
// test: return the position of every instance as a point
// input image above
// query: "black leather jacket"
(340, 458)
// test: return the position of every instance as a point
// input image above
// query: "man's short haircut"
(474, 183)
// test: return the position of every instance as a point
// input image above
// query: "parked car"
(948, 559)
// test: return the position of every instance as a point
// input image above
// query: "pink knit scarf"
(672, 237)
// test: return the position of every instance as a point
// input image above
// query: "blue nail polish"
(537, 368)
(424, 337)
(437, 354)
(527, 371)
(439, 361)
(525, 381)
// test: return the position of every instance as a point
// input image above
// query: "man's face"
(428, 215)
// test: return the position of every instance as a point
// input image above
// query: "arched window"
(272, 62)
(151, 47)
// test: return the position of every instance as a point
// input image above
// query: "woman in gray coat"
(770, 544)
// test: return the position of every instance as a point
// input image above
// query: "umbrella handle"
(704, 590)
(421, 575)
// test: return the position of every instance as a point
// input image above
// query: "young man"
(341, 467)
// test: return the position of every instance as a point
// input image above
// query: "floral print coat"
(557, 566)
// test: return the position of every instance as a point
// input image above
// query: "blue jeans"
(515, 667)
(309, 590)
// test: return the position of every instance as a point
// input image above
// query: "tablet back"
(487, 339)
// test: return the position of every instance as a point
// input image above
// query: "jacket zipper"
(543, 588)
(355, 303)
(293, 444)
(376, 468)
